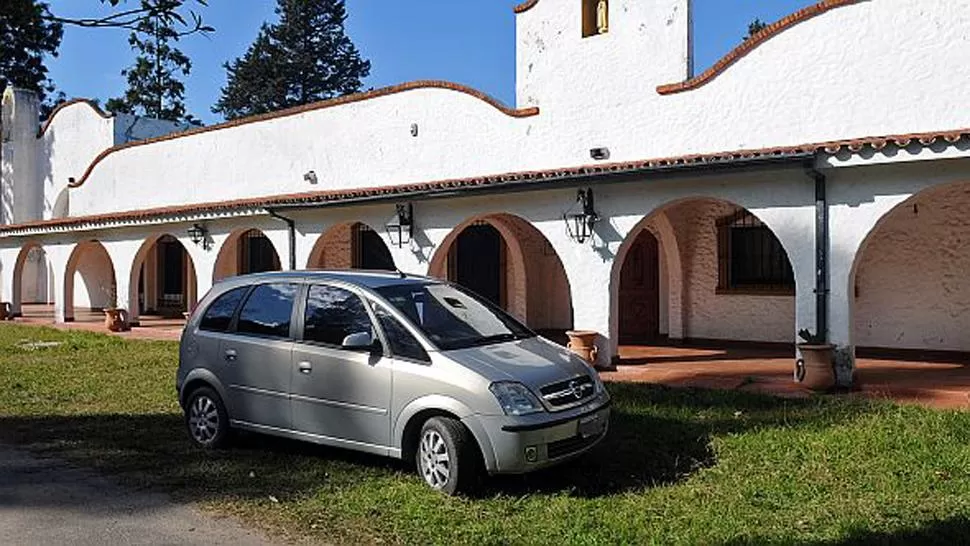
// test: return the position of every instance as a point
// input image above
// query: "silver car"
(400, 366)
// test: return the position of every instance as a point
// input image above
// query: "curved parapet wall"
(358, 97)
(403, 134)
(67, 104)
(752, 42)
(525, 6)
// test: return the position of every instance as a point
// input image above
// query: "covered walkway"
(936, 382)
(149, 326)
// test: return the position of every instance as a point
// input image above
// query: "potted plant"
(815, 369)
(115, 319)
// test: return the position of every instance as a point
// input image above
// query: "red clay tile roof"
(72, 102)
(752, 42)
(347, 99)
(525, 6)
(526, 177)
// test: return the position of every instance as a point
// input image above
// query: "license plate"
(591, 425)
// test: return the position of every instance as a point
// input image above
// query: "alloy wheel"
(203, 419)
(435, 462)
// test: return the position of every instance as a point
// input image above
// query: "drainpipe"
(291, 226)
(821, 252)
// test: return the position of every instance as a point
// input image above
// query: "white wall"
(912, 283)
(707, 314)
(810, 83)
(94, 279)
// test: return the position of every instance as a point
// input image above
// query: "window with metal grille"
(750, 257)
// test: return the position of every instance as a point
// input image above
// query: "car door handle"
(305, 367)
(230, 355)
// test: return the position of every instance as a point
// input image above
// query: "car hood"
(535, 362)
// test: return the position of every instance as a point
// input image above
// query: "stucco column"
(63, 288)
(8, 260)
(589, 270)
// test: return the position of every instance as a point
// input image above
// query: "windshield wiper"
(497, 338)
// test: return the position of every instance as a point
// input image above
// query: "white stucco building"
(817, 177)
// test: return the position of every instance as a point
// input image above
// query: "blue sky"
(466, 41)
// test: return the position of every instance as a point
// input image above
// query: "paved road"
(45, 502)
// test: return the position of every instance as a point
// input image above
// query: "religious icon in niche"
(596, 17)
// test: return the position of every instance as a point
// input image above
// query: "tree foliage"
(305, 57)
(155, 88)
(174, 13)
(755, 27)
(25, 38)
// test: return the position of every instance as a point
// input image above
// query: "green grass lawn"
(679, 467)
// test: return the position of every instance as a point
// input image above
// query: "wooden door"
(640, 292)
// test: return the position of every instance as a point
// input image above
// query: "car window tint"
(218, 316)
(402, 342)
(332, 314)
(268, 310)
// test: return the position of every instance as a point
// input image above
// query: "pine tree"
(25, 38)
(305, 57)
(155, 88)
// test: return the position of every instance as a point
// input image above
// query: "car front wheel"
(447, 456)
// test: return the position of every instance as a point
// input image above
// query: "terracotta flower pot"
(816, 369)
(116, 320)
(583, 343)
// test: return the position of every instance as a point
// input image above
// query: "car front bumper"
(521, 445)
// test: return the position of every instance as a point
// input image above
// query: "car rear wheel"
(207, 419)
(447, 456)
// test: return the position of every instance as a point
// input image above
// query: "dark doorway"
(639, 305)
(256, 253)
(370, 250)
(171, 274)
(477, 262)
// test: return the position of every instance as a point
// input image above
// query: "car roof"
(365, 278)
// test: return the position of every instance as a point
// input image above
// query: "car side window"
(332, 314)
(218, 316)
(402, 342)
(268, 311)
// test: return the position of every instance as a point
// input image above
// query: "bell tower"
(574, 53)
(21, 189)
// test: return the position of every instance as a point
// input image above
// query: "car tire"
(447, 456)
(206, 419)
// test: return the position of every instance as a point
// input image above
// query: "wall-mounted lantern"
(581, 217)
(400, 226)
(311, 177)
(200, 236)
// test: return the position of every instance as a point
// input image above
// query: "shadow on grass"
(658, 436)
(936, 533)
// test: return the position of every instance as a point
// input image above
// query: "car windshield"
(452, 318)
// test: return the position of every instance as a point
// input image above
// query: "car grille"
(568, 393)
(570, 445)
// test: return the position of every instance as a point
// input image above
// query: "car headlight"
(515, 398)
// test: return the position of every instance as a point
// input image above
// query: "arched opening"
(33, 283)
(245, 252)
(508, 261)
(909, 289)
(163, 282)
(706, 271)
(89, 283)
(351, 246)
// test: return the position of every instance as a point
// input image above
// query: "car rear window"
(219, 315)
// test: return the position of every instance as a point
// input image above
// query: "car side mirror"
(359, 341)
